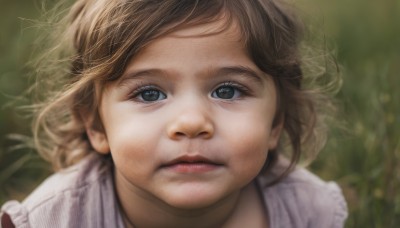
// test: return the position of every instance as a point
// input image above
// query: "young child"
(173, 115)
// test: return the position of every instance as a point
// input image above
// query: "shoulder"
(304, 200)
(88, 173)
(67, 197)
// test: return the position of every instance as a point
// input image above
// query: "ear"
(96, 135)
(275, 135)
(98, 140)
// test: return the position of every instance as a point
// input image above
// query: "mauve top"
(83, 196)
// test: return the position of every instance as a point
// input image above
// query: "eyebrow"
(218, 72)
(139, 74)
(240, 70)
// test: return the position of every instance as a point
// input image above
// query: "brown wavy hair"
(96, 39)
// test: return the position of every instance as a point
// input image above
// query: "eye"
(228, 91)
(148, 94)
(224, 92)
(152, 95)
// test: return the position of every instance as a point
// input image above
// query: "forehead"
(210, 45)
(218, 38)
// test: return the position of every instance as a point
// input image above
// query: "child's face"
(190, 122)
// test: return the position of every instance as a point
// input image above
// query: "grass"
(364, 159)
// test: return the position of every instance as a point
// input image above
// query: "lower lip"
(193, 167)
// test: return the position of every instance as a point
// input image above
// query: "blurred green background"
(364, 159)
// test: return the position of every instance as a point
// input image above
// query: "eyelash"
(241, 88)
(140, 89)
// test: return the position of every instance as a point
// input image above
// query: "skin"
(189, 157)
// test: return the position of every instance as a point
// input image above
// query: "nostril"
(202, 134)
(180, 134)
(205, 134)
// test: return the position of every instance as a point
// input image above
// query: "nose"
(191, 123)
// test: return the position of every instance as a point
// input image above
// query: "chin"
(192, 200)
(192, 204)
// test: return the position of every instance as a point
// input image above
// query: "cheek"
(127, 128)
(251, 145)
(132, 141)
(249, 128)
(248, 143)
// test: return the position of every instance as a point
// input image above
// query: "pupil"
(151, 95)
(225, 92)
